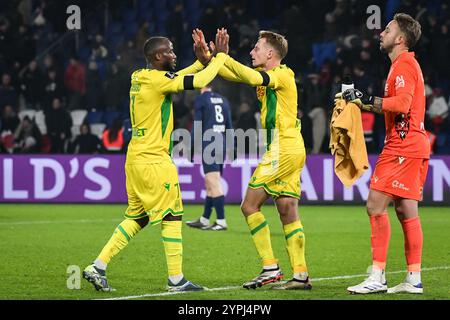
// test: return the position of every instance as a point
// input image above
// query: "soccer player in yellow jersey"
(151, 177)
(278, 173)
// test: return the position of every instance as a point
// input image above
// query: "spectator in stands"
(51, 64)
(10, 120)
(75, 82)
(86, 142)
(32, 86)
(59, 124)
(112, 138)
(438, 110)
(53, 88)
(9, 124)
(27, 138)
(8, 95)
(100, 46)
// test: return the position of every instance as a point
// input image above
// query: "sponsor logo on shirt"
(401, 159)
(399, 82)
(398, 185)
(138, 132)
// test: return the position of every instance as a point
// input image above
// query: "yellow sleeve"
(227, 74)
(174, 82)
(204, 77)
(250, 76)
(193, 68)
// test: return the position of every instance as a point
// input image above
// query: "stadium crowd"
(65, 91)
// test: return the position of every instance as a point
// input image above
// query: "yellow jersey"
(151, 111)
(276, 91)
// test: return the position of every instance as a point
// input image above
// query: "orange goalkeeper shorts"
(400, 177)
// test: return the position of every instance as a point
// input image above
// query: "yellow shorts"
(279, 174)
(153, 190)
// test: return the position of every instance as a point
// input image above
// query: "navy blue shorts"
(212, 168)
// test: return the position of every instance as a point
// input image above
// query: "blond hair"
(410, 27)
(277, 41)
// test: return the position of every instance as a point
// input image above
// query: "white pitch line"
(56, 221)
(238, 287)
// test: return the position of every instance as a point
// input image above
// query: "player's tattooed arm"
(377, 105)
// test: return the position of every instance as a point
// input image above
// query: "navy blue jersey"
(213, 110)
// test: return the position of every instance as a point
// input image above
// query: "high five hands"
(205, 53)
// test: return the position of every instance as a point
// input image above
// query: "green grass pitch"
(39, 242)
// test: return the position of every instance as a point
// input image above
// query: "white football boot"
(375, 283)
(412, 284)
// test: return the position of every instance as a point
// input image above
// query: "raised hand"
(221, 43)
(200, 47)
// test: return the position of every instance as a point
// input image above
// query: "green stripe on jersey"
(271, 102)
(165, 113)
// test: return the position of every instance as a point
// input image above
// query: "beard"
(387, 48)
(169, 66)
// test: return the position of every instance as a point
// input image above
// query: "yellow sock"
(173, 247)
(261, 237)
(124, 232)
(295, 245)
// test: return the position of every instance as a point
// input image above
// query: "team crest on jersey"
(260, 92)
(399, 82)
(171, 75)
(402, 124)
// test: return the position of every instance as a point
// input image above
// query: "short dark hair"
(277, 41)
(410, 27)
(151, 45)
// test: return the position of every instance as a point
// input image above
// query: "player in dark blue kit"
(213, 110)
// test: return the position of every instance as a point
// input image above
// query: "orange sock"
(381, 233)
(412, 230)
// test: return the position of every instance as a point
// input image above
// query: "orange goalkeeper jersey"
(405, 132)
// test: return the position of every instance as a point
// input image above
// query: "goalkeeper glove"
(363, 101)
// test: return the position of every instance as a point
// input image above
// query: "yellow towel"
(347, 142)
